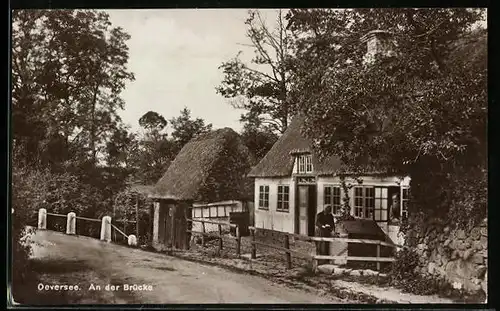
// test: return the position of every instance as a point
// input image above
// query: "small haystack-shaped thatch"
(210, 168)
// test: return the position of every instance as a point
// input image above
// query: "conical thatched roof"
(278, 162)
(211, 167)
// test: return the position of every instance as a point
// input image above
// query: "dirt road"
(162, 279)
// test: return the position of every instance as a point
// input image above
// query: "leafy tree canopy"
(262, 87)
(420, 112)
(184, 128)
(68, 70)
(152, 120)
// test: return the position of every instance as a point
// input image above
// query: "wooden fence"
(284, 245)
(314, 257)
(219, 235)
(378, 259)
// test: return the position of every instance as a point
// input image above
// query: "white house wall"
(271, 218)
(201, 212)
(285, 222)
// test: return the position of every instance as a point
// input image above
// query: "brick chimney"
(379, 43)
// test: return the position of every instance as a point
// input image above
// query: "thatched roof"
(142, 189)
(211, 167)
(278, 162)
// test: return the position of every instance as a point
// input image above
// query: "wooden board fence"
(315, 257)
(219, 235)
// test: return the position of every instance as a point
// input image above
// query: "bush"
(405, 276)
(407, 260)
(21, 250)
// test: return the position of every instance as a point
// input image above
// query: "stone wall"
(458, 255)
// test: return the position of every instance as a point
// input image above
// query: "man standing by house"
(325, 225)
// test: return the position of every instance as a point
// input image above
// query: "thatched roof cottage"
(210, 169)
(292, 185)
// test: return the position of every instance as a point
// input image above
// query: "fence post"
(42, 219)
(378, 256)
(132, 240)
(220, 238)
(254, 246)
(314, 265)
(137, 215)
(71, 223)
(203, 235)
(313, 257)
(106, 229)
(238, 241)
(288, 256)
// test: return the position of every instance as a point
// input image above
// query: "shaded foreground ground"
(82, 261)
(350, 288)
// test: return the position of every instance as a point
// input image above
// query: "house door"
(302, 210)
(169, 225)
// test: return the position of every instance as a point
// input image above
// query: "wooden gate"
(176, 226)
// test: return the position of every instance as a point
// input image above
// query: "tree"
(68, 70)
(152, 121)
(155, 150)
(125, 202)
(261, 89)
(120, 148)
(258, 141)
(421, 113)
(185, 128)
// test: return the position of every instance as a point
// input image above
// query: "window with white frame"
(304, 164)
(381, 197)
(364, 202)
(264, 197)
(404, 203)
(332, 198)
(283, 198)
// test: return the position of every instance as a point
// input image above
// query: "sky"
(175, 55)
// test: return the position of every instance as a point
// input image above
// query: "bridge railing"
(105, 230)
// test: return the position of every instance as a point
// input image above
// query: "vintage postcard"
(263, 156)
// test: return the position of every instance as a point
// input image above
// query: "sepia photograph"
(249, 156)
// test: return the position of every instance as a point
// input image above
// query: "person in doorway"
(325, 225)
(395, 209)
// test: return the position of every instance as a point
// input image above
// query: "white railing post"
(42, 219)
(71, 223)
(132, 240)
(106, 229)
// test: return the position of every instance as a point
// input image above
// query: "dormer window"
(305, 165)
